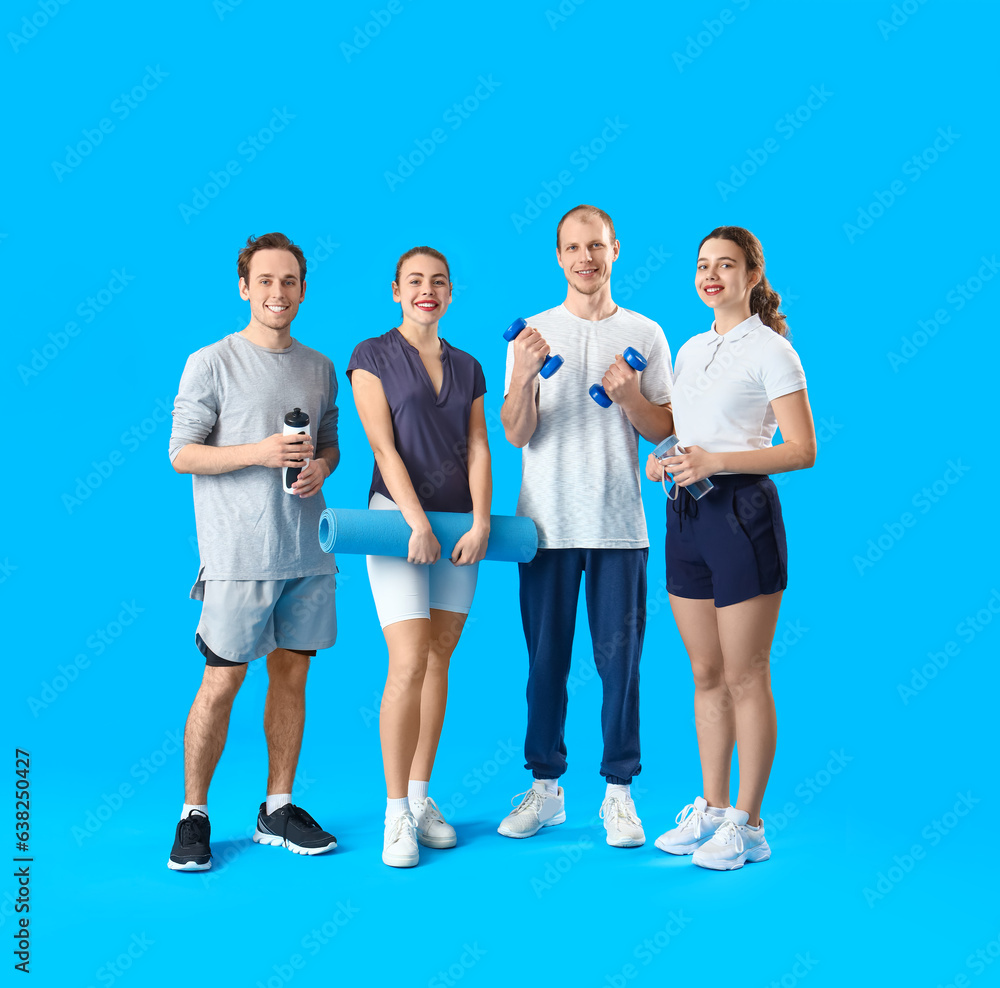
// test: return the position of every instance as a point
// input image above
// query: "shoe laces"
(299, 815)
(691, 818)
(729, 833)
(428, 810)
(400, 828)
(193, 828)
(614, 806)
(532, 801)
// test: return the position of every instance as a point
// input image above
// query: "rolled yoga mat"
(385, 533)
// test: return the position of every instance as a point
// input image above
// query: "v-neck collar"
(445, 365)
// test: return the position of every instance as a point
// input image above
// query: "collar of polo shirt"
(736, 333)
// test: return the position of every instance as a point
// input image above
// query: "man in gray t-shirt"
(266, 586)
(580, 483)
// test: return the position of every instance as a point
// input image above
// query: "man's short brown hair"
(269, 241)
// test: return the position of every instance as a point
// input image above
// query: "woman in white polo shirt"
(726, 562)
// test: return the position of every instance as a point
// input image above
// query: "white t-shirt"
(724, 386)
(580, 470)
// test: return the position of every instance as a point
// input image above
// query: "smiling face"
(274, 290)
(721, 277)
(586, 253)
(423, 289)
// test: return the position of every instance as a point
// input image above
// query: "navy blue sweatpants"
(616, 610)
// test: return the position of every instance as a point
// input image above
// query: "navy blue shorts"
(728, 546)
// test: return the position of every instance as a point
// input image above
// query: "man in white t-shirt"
(580, 483)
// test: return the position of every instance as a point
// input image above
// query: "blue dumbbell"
(552, 362)
(635, 360)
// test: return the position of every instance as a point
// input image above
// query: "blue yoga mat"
(385, 533)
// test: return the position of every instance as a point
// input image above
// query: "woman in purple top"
(421, 404)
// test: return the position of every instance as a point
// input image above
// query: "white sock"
(276, 800)
(417, 789)
(396, 807)
(624, 792)
(716, 811)
(188, 807)
(551, 786)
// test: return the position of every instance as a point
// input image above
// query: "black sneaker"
(191, 851)
(290, 826)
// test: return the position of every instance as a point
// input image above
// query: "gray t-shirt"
(235, 392)
(580, 470)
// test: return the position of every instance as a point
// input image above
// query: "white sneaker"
(695, 826)
(399, 849)
(733, 844)
(538, 809)
(620, 821)
(432, 829)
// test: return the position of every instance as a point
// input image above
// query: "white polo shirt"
(580, 470)
(724, 386)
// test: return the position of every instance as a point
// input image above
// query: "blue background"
(874, 877)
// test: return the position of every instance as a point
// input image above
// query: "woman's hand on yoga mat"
(423, 548)
(471, 547)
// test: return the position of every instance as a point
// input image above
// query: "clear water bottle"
(671, 446)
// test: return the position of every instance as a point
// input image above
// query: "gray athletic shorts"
(242, 620)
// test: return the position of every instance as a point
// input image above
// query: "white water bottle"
(296, 424)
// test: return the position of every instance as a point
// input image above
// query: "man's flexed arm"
(519, 413)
